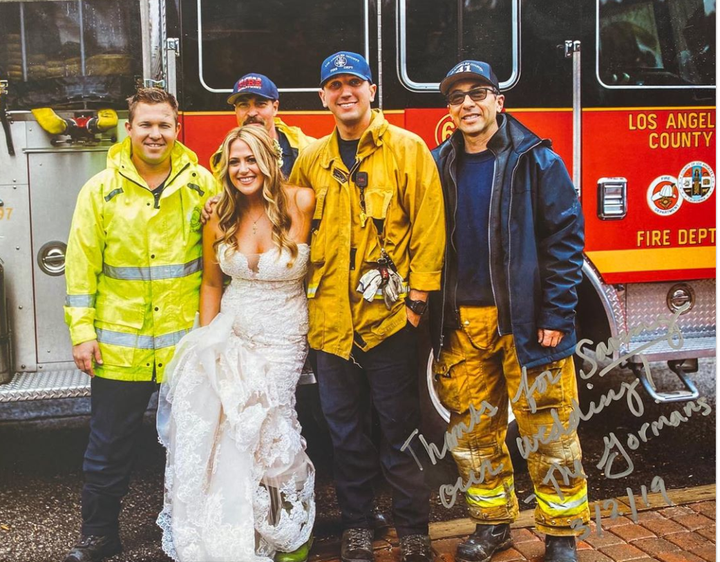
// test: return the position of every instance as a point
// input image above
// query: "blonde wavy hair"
(231, 206)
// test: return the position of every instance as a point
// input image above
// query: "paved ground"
(683, 532)
(41, 478)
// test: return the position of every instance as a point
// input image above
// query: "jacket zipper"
(452, 241)
(512, 181)
(490, 250)
(154, 374)
(447, 261)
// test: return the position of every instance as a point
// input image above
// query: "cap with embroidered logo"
(256, 85)
(345, 62)
(469, 70)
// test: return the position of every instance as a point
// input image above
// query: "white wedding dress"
(238, 483)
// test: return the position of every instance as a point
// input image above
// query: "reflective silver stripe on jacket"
(87, 301)
(153, 273)
(139, 342)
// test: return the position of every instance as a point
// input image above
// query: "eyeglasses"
(476, 94)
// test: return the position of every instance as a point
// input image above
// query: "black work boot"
(560, 549)
(93, 548)
(357, 546)
(380, 521)
(416, 548)
(484, 542)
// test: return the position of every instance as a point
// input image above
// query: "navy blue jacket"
(535, 242)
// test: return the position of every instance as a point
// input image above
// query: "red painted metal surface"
(639, 145)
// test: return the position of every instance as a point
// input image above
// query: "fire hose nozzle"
(105, 120)
(51, 122)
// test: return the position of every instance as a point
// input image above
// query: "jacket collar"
(370, 140)
(511, 134)
(290, 132)
(119, 158)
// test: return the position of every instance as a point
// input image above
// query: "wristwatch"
(418, 307)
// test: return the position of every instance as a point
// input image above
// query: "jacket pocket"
(318, 232)
(450, 378)
(120, 313)
(377, 202)
(118, 324)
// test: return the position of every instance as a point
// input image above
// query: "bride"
(238, 483)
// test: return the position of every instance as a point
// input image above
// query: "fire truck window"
(285, 40)
(656, 42)
(69, 53)
(440, 33)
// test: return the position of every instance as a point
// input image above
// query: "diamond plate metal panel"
(646, 303)
(662, 351)
(49, 384)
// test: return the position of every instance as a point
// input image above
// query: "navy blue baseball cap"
(345, 62)
(256, 85)
(469, 70)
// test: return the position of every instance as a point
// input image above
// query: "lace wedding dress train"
(238, 483)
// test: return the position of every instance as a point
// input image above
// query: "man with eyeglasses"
(256, 101)
(503, 324)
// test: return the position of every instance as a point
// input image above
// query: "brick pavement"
(653, 531)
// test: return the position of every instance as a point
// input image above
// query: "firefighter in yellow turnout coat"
(378, 216)
(133, 272)
(344, 244)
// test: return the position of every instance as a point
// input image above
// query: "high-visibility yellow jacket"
(403, 194)
(133, 267)
(296, 138)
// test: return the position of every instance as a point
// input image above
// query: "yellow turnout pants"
(480, 368)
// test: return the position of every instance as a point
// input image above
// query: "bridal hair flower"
(278, 152)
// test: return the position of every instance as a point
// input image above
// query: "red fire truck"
(624, 88)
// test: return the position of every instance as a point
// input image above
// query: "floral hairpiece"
(278, 152)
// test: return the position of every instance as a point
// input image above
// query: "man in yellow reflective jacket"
(133, 271)
(376, 250)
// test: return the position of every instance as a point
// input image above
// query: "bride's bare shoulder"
(302, 198)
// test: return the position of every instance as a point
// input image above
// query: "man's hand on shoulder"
(208, 208)
(84, 354)
(549, 338)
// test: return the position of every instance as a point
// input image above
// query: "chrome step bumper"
(45, 385)
(691, 348)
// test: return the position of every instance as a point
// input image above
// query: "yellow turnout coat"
(403, 194)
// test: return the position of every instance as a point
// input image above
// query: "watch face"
(418, 307)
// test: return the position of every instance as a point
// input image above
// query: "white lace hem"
(238, 483)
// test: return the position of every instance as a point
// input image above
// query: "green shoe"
(299, 555)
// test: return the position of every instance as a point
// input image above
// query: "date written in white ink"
(617, 510)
